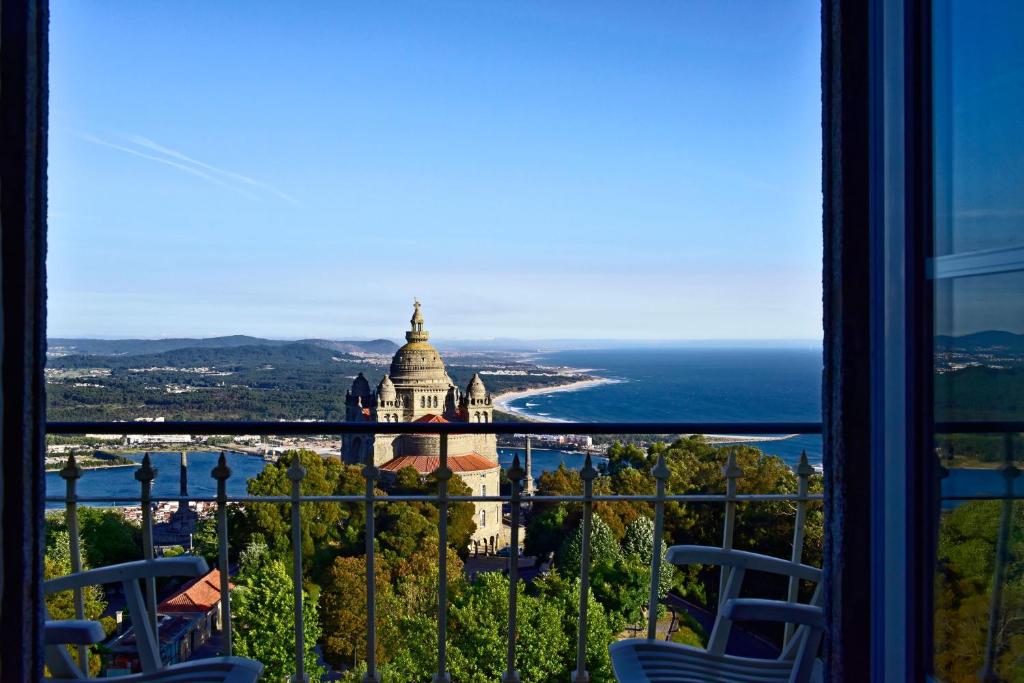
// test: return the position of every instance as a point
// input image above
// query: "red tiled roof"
(430, 418)
(425, 464)
(200, 595)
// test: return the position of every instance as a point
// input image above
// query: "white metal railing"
(296, 473)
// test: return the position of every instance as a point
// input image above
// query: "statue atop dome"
(416, 332)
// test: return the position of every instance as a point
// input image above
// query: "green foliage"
(622, 586)
(622, 456)
(478, 632)
(205, 542)
(639, 542)
(967, 556)
(57, 562)
(603, 547)
(173, 551)
(695, 467)
(546, 530)
(106, 535)
(321, 522)
(565, 596)
(404, 527)
(262, 616)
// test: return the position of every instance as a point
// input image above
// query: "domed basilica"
(418, 389)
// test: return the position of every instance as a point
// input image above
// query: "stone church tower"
(417, 388)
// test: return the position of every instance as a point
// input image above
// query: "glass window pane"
(978, 271)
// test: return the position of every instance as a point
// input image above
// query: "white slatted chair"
(657, 661)
(59, 633)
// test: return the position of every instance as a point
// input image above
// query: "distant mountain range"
(134, 347)
(989, 339)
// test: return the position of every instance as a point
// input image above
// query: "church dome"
(476, 387)
(360, 386)
(418, 362)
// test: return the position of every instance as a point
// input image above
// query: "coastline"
(501, 401)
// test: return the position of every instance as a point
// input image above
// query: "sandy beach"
(501, 401)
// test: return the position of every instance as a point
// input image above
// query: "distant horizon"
(442, 341)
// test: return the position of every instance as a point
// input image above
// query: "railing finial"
(803, 468)
(660, 469)
(71, 469)
(146, 471)
(588, 473)
(221, 471)
(731, 470)
(296, 472)
(515, 473)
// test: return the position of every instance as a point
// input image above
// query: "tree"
(479, 629)
(565, 595)
(205, 542)
(639, 542)
(107, 536)
(603, 547)
(622, 586)
(262, 615)
(321, 522)
(461, 516)
(343, 612)
(547, 529)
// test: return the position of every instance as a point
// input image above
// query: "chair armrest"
(72, 632)
(127, 571)
(754, 609)
(727, 557)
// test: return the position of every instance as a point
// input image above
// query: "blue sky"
(643, 170)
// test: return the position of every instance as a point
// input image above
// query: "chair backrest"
(129, 575)
(803, 644)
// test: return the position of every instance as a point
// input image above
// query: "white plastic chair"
(59, 633)
(658, 661)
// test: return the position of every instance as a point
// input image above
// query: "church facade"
(417, 388)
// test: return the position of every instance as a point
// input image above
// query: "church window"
(423, 401)
(483, 518)
(483, 490)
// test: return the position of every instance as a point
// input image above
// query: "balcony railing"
(221, 473)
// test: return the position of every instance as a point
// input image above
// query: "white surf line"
(502, 401)
(736, 438)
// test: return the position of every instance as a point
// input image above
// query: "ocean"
(692, 385)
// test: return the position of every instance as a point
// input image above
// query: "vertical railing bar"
(145, 476)
(660, 472)
(296, 472)
(221, 473)
(515, 475)
(803, 473)
(588, 474)
(443, 474)
(1010, 472)
(732, 472)
(371, 676)
(71, 473)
